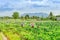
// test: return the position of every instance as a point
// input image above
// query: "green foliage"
(51, 16)
(46, 31)
(26, 16)
(15, 15)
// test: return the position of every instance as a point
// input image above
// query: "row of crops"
(45, 31)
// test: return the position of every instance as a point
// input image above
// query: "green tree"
(54, 18)
(15, 15)
(26, 16)
(22, 17)
(51, 15)
(33, 17)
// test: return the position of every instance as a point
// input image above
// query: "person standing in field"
(22, 24)
(32, 24)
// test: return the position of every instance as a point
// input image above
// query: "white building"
(58, 18)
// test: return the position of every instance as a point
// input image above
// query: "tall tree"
(15, 15)
(51, 15)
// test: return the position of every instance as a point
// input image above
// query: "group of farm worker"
(32, 24)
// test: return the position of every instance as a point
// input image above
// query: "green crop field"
(46, 31)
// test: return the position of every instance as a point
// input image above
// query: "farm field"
(46, 30)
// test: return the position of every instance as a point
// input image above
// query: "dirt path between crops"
(3, 37)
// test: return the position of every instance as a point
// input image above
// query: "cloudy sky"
(23, 6)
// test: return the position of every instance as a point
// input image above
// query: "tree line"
(16, 16)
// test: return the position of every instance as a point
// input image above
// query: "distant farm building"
(58, 18)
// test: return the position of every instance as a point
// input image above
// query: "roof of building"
(58, 16)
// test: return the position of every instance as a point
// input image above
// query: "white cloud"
(27, 5)
(43, 2)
